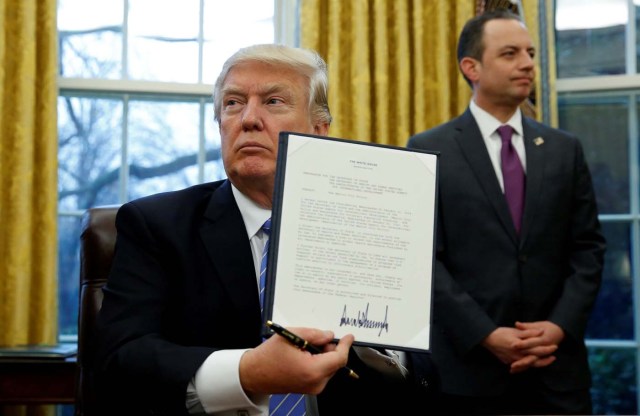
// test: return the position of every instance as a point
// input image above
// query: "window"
(599, 100)
(135, 115)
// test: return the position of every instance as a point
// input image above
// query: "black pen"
(301, 343)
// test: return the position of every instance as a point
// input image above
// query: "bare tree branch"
(141, 172)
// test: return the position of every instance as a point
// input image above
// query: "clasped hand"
(277, 366)
(527, 345)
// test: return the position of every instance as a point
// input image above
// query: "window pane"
(590, 37)
(163, 146)
(224, 34)
(636, 10)
(163, 40)
(90, 38)
(601, 123)
(68, 274)
(613, 316)
(89, 147)
(614, 381)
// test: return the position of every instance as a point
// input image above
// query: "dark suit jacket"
(182, 286)
(486, 276)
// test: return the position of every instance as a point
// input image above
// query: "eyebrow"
(263, 89)
(511, 46)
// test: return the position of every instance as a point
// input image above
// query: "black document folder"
(352, 240)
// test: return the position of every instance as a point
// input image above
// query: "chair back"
(97, 243)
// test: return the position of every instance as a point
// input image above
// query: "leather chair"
(97, 242)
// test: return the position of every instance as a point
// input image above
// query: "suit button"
(522, 258)
(424, 383)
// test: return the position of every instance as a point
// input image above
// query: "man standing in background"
(519, 253)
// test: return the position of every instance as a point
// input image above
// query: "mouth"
(252, 147)
(523, 80)
(251, 144)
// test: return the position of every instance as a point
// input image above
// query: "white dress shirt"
(488, 125)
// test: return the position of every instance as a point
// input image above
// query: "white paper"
(355, 241)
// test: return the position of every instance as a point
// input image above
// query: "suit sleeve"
(587, 247)
(465, 320)
(133, 357)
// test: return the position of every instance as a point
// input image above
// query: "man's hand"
(538, 348)
(277, 366)
(527, 345)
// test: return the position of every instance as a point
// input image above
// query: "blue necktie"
(513, 175)
(279, 404)
(266, 228)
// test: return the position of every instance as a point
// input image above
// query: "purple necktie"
(513, 176)
(279, 404)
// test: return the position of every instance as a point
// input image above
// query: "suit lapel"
(535, 152)
(475, 152)
(224, 236)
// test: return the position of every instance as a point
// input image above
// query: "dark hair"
(470, 42)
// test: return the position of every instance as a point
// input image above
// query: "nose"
(527, 61)
(251, 116)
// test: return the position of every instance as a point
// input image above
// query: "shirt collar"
(253, 215)
(488, 123)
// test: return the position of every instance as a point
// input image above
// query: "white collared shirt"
(488, 125)
(254, 216)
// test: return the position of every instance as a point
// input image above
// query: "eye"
(231, 105)
(273, 100)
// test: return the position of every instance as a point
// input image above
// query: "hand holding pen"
(302, 343)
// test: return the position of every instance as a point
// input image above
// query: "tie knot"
(266, 227)
(505, 133)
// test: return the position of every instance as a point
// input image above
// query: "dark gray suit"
(486, 276)
(183, 285)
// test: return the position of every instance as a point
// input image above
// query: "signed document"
(352, 240)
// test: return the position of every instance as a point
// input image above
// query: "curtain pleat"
(551, 61)
(392, 64)
(28, 172)
(530, 14)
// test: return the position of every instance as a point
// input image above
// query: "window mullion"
(202, 147)
(125, 41)
(285, 19)
(200, 41)
(124, 164)
(630, 39)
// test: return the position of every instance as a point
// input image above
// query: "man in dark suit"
(513, 288)
(179, 331)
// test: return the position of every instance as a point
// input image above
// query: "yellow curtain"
(28, 172)
(392, 64)
(551, 62)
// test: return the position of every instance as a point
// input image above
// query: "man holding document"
(180, 330)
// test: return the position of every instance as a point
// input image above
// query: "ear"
(321, 129)
(470, 68)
